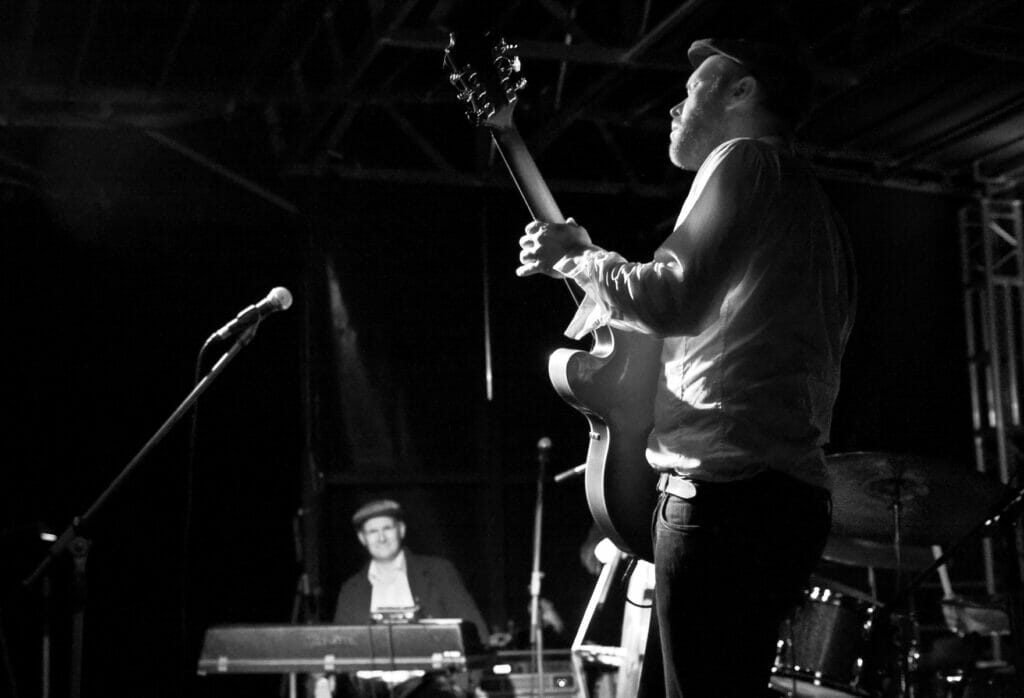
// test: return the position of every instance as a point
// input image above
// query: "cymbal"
(869, 553)
(938, 502)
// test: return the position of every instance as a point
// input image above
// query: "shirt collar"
(375, 573)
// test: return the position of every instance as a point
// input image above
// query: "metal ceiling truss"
(308, 115)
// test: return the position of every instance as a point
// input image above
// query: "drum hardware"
(823, 650)
(966, 617)
(886, 510)
(935, 502)
(997, 678)
(842, 645)
(984, 680)
(859, 552)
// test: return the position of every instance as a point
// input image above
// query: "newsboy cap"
(378, 507)
(785, 77)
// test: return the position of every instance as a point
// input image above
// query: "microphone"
(544, 449)
(279, 298)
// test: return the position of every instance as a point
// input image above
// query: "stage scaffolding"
(992, 258)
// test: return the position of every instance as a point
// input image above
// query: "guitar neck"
(527, 177)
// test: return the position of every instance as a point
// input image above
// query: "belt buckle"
(676, 486)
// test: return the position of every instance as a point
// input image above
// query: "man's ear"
(362, 538)
(401, 530)
(743, 90)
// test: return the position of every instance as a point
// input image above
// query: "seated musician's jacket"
(436, 588)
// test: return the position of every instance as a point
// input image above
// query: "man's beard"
(696, 138)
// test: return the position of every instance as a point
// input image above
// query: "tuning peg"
(508, 65)
(513, 88)
(504, 53)
(513, 82)
(468, 77)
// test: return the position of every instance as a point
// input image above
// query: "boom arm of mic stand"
(80, 522)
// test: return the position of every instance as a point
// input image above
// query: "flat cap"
(378, 507)
(778, 67)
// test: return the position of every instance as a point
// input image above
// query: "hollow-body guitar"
(613, 384)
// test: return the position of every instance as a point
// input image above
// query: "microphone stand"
(536, 622)
(303, 609)
(73, 538)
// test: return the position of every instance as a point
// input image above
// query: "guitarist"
(753, 294)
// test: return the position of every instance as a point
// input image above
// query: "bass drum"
(824, 648)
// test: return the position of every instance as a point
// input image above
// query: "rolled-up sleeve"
(683, 284)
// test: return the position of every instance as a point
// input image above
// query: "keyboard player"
(395, 578)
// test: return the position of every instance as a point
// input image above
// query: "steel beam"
(599, 88)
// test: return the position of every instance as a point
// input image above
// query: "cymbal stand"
(872, 582)
(897, 539)
(903, 625)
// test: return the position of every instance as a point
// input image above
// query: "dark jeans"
(730, 563)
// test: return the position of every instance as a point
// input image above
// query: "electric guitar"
(613, 384)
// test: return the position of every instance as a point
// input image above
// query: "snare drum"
(824, 646)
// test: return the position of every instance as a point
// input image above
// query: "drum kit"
(893, 512)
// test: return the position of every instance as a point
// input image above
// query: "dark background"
(110, 301)
(165, 164)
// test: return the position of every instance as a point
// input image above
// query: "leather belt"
(676, 486)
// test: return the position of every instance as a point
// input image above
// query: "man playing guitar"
(752, 295)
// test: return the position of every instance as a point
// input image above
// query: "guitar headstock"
(488, 76)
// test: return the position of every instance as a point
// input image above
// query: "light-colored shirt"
(753, 294)
(390, 585)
